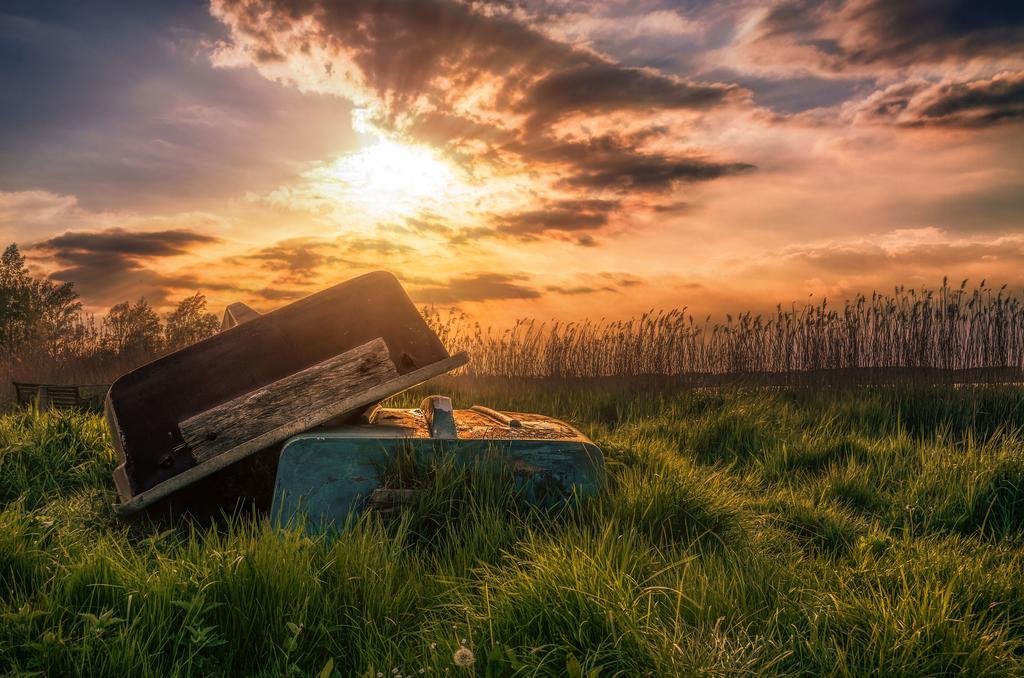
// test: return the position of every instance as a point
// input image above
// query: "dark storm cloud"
(603, 86)
(651, 172)
(123, 243)
(885, 33)
(606, 161)
(561, 215)
(973, 104)
(612, 162)
(110, 266)
(476, 287)
(405, 49)
(983, 102)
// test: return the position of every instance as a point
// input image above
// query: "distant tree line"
(45, 333)
(946, 333)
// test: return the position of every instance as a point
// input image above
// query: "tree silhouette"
(189, 322)
(132, 329)
(35, 314)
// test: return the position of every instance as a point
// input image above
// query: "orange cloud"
(498, 95)
(974, 104)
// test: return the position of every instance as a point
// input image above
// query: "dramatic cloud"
(441, 49)
(298, 259)
(499, 95)
(562, 216)
(301, 262)
(122, 243)
(112, 265)
(144, 123)
(844, 35)
(601, 86)
(500, 154)
(651, 172)
(608, 161)
(979, 103)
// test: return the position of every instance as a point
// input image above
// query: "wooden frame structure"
(177, 422)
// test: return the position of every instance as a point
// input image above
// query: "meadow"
(786, 531)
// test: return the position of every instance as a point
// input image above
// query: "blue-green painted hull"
(324, 480)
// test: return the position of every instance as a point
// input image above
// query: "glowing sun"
(390, 177)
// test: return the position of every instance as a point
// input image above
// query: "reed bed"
(945, 335)
(949, 329)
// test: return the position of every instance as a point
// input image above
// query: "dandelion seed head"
(464, 657)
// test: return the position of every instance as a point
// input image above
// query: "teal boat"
(327, 477)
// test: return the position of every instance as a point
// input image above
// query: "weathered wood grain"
(148, 404)
(377, 393)
(300, 401)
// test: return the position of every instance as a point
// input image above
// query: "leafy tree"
(16, 299)
(34, 311)
(189, 322)
(132, 329)
(60, 321)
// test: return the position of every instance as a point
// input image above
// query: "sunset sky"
(513, 158)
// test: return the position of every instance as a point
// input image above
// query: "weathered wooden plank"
(301, 400)
(397, 385)
(497, 416)
(146, 405)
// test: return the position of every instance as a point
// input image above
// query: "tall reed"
(949, 328)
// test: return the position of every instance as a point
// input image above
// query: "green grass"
(773, 532)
